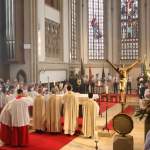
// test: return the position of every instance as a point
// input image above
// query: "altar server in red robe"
(17, 120)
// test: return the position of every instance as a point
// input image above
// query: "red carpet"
(103, 106)
(128, 110)
(44, 142)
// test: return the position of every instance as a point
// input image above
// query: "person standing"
(70, 111)
(53, 112)
(39, 112)
(129, 85)
(90, 111)
(15, 120)
(115, 84)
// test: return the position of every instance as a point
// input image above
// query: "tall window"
(96, 29)
(129, 29)
(75, 29)
(10, 29)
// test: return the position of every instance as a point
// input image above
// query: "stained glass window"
(129, 29)
(96, 29)
(75, 29)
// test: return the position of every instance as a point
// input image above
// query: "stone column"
(148, 30)
(109, 29)
(66, 30)
(34, 52)
(115, 11)
(142, 27)
(84, 30)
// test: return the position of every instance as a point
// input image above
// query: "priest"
(53, 112)
(39, 112)
(70, 111)
(90, 111)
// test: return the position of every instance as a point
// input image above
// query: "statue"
(123, 72)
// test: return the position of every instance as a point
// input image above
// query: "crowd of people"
(20, 103)
(98, 85)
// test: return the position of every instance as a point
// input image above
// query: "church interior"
(91, 47)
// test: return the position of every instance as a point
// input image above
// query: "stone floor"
(106, 143)
(105, 140)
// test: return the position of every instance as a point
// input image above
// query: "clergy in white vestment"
(70, 111)
(15, 119)
(5, 127)
(2, 99)
(53, 112)
(39, 112)
(9, 96)
(90, 112)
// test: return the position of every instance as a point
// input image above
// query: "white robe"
(2, 100)
(39, 113)
(15, 113)
(15, 120)
(90, 111)
(9, 98)
(18, 109)
(53, 113)
(33, 94)
(5, 117)
(71, 107)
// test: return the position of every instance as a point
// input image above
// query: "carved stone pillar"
(109, 29)
(34, 51)
(148, 29)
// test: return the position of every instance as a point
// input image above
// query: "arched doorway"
(21, 76)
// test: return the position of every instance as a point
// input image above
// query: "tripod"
(106, 120)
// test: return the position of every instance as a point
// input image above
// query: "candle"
(106, 89)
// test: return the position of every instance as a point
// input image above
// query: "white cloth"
(17, 111)
(90, 111)
(39, 112)
(53, 113)
(2, 100)
(9, 98)
(71, 108)
(33, 94)
(5, 117)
